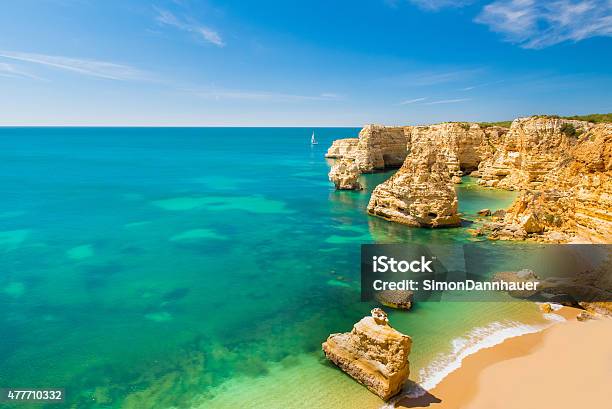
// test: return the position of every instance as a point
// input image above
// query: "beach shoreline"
(493, 372)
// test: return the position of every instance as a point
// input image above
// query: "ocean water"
(202, 268)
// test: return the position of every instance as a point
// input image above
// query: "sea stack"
(373, 353)
(421, 193)
(345, 175)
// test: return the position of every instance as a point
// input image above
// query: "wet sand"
(565, 366)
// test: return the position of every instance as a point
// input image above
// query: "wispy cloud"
(431, 77)
(435, 5)
(262, 96)
(11, 71)
(539, 24)
(93, 68)
(486, 84)
(412, 101)
(167, 18)
(447, 101)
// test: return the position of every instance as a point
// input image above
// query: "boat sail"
(313, 140)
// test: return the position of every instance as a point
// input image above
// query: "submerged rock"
(518, 277)
(500, 213)
(373, 353)
(484, 212)
(400, 299)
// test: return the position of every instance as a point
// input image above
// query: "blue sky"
(301, 63)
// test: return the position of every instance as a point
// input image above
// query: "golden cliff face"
(561, 167)
(381, 147)
(373, 353)
(420, 194)
(377, 148)
(464, 145)
(574, 197)
(529, 151)
(342, 148)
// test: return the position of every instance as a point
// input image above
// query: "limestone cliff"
(421, 193)
(464, 145)
(381, 147)
(529, 151)
(373, 353)
(376, 148)
(574, 197)
(342, 148)
(560, 166)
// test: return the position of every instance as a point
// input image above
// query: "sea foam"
(462, 347)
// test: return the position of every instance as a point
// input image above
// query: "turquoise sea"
(202, 268)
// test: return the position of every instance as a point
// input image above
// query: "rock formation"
(400, 299)
(529, 151)
(561, 167)
(463, 145)
(381, 147)
(342, 148)
(345, 175)
(421, 193)
(377, 148)
(598, 309)
(373, 353)
(574, 197)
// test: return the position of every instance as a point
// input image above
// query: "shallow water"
(157, 268)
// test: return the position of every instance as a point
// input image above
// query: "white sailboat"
(313, 140)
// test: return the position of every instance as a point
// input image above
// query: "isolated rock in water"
(484, 212)
(521, 276)
(400, 299)
(342, 148)
(526, 274)
(373, 353)
(546, 308)
(421, 193)
(345, 175)
(499, 213)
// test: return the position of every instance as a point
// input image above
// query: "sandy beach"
(529, 371)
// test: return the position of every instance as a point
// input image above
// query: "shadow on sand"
(420, 397)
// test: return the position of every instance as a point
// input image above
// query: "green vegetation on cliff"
(595, 118)
(503, 124)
